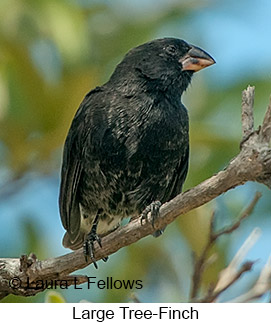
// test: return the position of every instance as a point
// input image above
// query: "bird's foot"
(88, 247)
(153, 208)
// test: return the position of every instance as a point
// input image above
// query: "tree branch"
(202, 261)
(253, 163)
(247, 111)
(234, 270)
(261, 286)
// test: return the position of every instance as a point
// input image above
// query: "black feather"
(128, 144)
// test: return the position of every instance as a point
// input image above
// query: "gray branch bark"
(253, 163)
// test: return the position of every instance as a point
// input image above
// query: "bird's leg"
(154, 208)
(88, 245)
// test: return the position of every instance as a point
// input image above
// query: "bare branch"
(253, 163)
(262, 286)
(202, 262)
(134, 298)
(265, 132)
(230, 274)
(244, 215)
(234, 271)
(199, 264)
(247, 111)
(251, 206)
(213, 295)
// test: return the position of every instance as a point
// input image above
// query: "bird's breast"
(163, 127)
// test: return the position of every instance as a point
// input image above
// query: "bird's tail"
(74, 245)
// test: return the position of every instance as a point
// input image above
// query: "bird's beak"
(196, 59)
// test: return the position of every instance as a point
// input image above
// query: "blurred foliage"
(51, 54)
(54, 297)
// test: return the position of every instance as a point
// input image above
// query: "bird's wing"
(179, 175)
(72, 171)
(70, 177)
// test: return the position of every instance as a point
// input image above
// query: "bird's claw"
(153, 208)
(88, 247)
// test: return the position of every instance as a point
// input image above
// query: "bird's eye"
(171, 49)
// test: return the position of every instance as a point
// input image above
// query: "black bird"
(128, 144)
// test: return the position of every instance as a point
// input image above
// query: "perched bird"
(127, 149)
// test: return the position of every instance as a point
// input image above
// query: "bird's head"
(166, 61)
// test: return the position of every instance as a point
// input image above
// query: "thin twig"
(231, 273)
(199, 265)
(243, 215)
(234, 271)
(262, 286)
(247, 266)
(134, 298)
